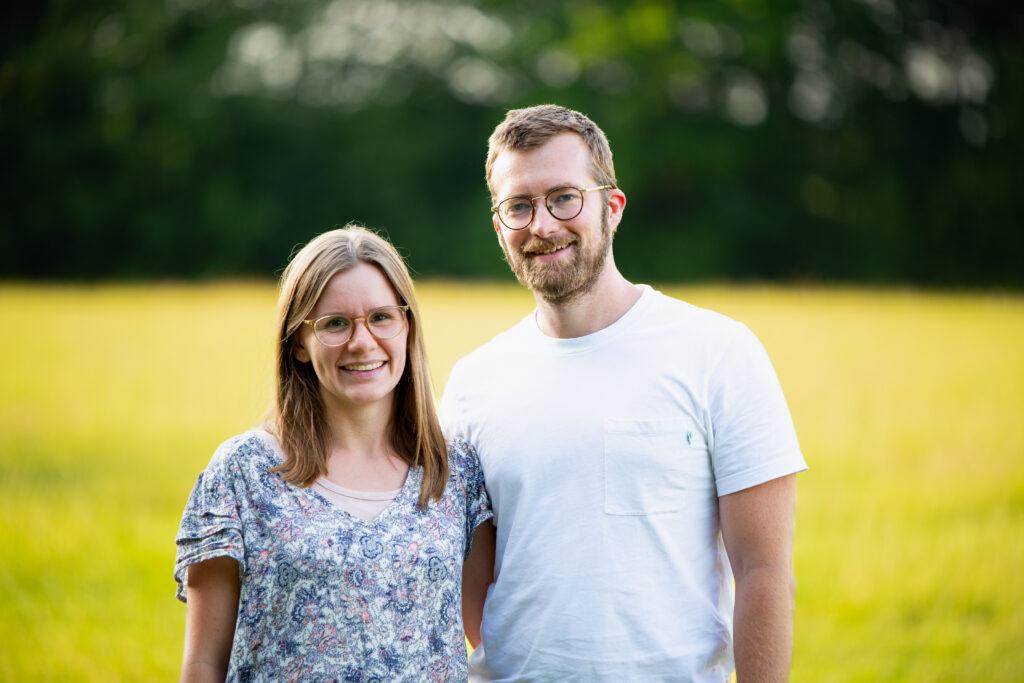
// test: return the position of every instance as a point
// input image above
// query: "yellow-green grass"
(909, 406)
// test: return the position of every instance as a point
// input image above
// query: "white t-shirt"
(604, 457)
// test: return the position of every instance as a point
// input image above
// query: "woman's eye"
(336, 323)
(381, 316)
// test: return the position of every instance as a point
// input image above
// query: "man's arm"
(757, 528)
(477, 576)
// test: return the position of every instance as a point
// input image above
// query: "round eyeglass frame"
(496, 209)
(404, 310)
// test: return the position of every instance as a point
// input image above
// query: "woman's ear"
(299, 350)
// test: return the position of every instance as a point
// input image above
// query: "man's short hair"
(529, 128)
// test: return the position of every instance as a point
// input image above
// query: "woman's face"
(365, 370)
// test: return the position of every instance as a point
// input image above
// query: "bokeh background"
(867, 140)
(842, 176)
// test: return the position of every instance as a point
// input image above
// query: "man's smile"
(540, 250)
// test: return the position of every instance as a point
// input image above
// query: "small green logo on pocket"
(689, 438)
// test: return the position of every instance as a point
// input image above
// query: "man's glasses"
(564, 203)
(335, 329)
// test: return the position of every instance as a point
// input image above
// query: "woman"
(330, 544)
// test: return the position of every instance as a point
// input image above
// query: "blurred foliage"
(867, 140)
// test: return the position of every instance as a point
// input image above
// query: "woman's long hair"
(298, 419)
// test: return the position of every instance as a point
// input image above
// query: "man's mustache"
(541, 245)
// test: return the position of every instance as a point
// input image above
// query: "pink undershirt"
(362, 504)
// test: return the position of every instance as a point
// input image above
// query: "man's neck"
(609, 299)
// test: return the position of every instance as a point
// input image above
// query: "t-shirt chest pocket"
(654, 466)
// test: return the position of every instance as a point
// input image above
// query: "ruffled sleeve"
(211, 524)
(469, 476)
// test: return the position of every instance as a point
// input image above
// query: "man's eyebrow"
(550, 189)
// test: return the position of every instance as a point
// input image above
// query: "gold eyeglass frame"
(533, 205)
(352, 330)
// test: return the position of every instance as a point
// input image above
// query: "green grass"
(910, 410)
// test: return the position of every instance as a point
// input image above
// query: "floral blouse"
(325, 595)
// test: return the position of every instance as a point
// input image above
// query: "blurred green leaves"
(804, 139)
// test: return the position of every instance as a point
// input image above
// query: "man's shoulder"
(695, 319)
(497, 346)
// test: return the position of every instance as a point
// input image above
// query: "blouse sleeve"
(211, 524)
(465, 467)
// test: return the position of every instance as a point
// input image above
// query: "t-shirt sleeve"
(754, 440)
(469, 478)
(450, 408)
(211, 524)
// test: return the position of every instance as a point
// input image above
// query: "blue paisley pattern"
(325, 595)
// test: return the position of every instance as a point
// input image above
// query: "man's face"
(557, 260)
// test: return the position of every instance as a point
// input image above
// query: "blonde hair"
(298, 418)
(529, 128)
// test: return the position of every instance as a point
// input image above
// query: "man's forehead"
(564, 159)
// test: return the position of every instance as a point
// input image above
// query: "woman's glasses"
(335, 329)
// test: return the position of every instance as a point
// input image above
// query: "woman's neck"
(358, 428)
(360, 453)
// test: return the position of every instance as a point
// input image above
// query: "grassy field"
(909, 406)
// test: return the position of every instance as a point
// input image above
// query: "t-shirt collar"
(588, 341)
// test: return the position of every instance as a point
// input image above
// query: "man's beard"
(560, 283)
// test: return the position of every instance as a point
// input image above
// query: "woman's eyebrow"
(369, 310)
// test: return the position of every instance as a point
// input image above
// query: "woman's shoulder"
(463, 461)
(252, 450)
(467, 483)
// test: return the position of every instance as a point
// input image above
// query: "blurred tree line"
(837, 140)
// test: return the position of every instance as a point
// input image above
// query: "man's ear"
(497, 225)
(616, 205)
(300, 351)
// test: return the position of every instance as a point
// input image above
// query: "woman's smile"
(365, 368)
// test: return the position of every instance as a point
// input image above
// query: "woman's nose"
(361, 336)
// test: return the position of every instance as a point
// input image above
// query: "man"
(638, 450)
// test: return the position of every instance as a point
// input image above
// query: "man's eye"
(565, 198)
(517, 208)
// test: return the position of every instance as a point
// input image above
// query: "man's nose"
(544, 224)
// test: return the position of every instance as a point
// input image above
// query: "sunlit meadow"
(909, 406)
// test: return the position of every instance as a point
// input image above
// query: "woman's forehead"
(357, 290)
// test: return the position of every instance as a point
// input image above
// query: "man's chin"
(555, 290)
(559, 297)
(555, 283)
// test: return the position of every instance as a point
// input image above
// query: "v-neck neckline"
(337, 512)
(410, 488)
